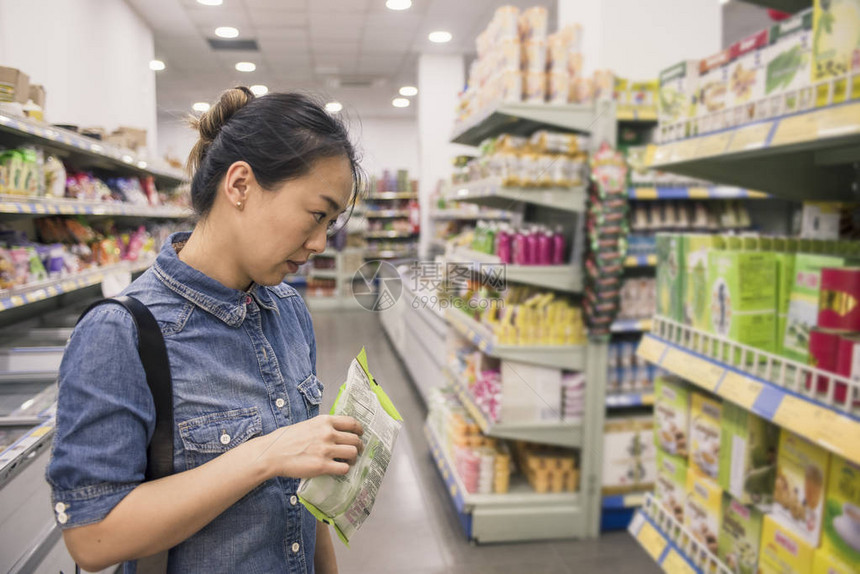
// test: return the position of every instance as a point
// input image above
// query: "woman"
(271, 175)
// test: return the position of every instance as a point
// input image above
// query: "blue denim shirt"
(243, 364)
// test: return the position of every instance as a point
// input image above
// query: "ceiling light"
(200, 107)
(226, 32)
(333, 107)
(246, 66)
(408, 91)
(400, 103)
(398, 4)
(210, 2)
(440, 37)
(259, 90)
(724, 1)
(156, 65)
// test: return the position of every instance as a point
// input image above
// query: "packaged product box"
(705, 414)
(14, 85)
(841, 531)
(836, 50)
(782, 551)
(643, 93)
(537, 400)
(703, 509)
(748, 447)
(696, 306)
(740, 536)
(784, 257)
(37, 94)
(672, 415)
(825, 563)
(629, 454)
(676, 102)
(803, 303)
(742, 296)
(788, 80)
(801, 479)
(747, 72)
(670, 276)
(670, 487)
(713, 92)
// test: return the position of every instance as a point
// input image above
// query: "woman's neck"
(202, 252)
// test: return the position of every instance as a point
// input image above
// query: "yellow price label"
(837, 433)
(698, 193)
(840, 435)
(696, 370)
(645, 193)
(17, 300)
(713, 145)
(797, 415)
(674, 563)
(39, 208)
(648, 399)
(651, 540)
(632, 500)
(651, 349)
(650, 153)
(740, 389)
(26, 208)
(840, 121)
(41, 431)
(795, 129)
(750, 137)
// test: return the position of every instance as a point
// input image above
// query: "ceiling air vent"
(243, 45)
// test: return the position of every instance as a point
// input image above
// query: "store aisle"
(413, 528)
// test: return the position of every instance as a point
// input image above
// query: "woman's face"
(281, 228)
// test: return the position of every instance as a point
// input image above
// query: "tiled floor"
(413, 528)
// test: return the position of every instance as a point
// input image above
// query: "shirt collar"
(226, 303)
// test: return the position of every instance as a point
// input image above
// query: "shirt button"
(247, 299)
(295, 547)
(293, 500)
(62, 518)
(280, 403)
(60, 507)
(225, 438)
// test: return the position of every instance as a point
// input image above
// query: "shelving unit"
(42, 206)
(629, 400)
(491, 193)
(631, 325)
(380, 209)
(487, 214)
(555, 277)
(709, 192)
(524, 119)
(640, 261)
(342, 297)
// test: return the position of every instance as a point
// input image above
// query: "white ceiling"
(318, 45)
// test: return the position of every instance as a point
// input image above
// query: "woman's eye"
(319, 216)
(331, 224)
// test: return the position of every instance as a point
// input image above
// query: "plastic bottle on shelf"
(490, 239)
(559, 246)
(544, 241)
(532, 246)
(477, 235)
(414, 215)
(519, 247)
(503, 244)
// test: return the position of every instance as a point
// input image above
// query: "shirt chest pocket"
(208, 436)
(311, 390)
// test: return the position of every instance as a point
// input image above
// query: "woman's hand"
(326, 444)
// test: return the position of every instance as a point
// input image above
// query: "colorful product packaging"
(782, 551)
(670, 276)
(788, 82)
(801, 479)
(836, 50)
(748, 450)
(705, 413)
(696, 306)
(740, 536)
(703, 509)
(832, 351)
(629, 455)
(825, 563)
(671, 484)
(676, 102)
(713, 91)
(784, 257)
(841, 531)
(747, 77)
(839, 300)
(672, 415)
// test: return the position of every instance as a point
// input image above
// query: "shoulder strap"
(153, 355)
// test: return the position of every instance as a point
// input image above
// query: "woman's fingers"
(347, 453)
(347, 424)
(348, 438)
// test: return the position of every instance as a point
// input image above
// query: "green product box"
(803, 303)
(784, 281)
(742, 297)
(740, 536)
(841, 530)
(670, 488)
(695, 308)
(672, 415)
(670, 276)
(748, 455)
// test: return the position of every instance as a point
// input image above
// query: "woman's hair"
(281, 136)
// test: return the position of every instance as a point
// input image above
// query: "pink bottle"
(532, 247)
(503, 245)
(520, 255)
(544, 241)
(559, 245)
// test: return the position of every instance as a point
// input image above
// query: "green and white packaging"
(670, 276)
(740, 535)
(748, 455)
(784, 254)
(696, 308)
(788, 61)
(345, 501)
(671, 484)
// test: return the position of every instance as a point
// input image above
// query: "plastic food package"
(345, 501)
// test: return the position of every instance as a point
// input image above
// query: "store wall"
(92, 56)
(387, 143)
(175, 137)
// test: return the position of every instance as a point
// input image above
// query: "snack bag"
(345, 501)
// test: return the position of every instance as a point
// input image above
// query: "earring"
(239, 205)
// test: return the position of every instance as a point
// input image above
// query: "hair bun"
(209, 124)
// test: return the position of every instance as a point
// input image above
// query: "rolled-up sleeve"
(105, 418)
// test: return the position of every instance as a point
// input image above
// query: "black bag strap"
(153, 355)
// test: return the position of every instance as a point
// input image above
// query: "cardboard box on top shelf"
(712, 112)
(672, 415)
(629, 454)
(788, 67)
(14, 85)
(705, 414)
(782, 551)
(740, 536)
(703, 510)
(836, 50)
(676, 100)
(746, 79)
(36, 93)
(671, 484)
(840, 538)
(748, 452)
(136, 138)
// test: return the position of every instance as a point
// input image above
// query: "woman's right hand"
(325, 444)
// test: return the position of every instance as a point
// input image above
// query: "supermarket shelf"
(13, 298)
(386, 213)
(570, 357)
(631, 500)
(387, 234)
(670, 544)
(13, 457)
(628, 400)
(391, 195)
(39, 206)
(519, 514)
(631, 325)
(769, 385)
(790, 6)
(568, 434)
(491, 193)
(640, 261)
(495, 214)
(390, 254)
(632, 113)
(79, 147)
(709, 192)
(556, 277)
(523, 119)
(787, 156)
(323, 273)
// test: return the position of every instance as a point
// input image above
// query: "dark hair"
(279, 135)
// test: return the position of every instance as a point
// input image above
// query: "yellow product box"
(672, 415)
(836, 50)
(825, 563)
(782, 551)
(670, 488)
(703, 509)
(840, 536)
(801, 477)
(705, 415)
(740, 536)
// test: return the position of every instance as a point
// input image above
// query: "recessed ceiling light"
(398, 4)
(200, 107)
(156, 65)
(440, 37)
(259, 90)
(226, 32)
(333, 107)
(724, 1)
(210, 2)
(246, 66)
(408, 91)
(400, 103)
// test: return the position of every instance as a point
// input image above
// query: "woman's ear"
(237, 183)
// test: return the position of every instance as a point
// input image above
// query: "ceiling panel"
(334, 26)
(277, 18)
(334, 6)
(204, 17)
(274, 4)
(282, 33)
